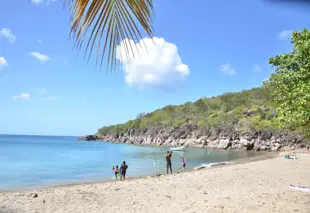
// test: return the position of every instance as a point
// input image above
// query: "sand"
(259, 186)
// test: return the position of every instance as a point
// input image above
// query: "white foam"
(202, 166)
(218, 163)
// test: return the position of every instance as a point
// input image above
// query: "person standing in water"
(116, 171)
(168, 161)
(183, 163)
(124, 168)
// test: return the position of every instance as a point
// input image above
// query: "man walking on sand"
(168, 161)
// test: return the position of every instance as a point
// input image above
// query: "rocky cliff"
(220, 138)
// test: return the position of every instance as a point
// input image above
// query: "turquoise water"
(37, 161)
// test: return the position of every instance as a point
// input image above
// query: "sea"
(28, 162)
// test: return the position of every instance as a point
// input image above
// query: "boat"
(181, 148)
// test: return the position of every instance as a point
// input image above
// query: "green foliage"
(227, 109)
(290, 84)
(259, 123)
(201, 123)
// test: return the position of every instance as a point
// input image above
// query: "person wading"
(168, 160)
(124, 168)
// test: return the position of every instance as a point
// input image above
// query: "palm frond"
(109, 22)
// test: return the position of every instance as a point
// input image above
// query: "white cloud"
(39, 41)
(22, 96)
(285, 34)
(257, 68)
(51, 98)
(41, 57)
(228, 69)
(158, 65)
(3, 63)
(6, 32)
(37, 2)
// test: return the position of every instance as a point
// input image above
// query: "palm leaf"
(110, 22)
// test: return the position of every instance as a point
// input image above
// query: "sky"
(201, 49)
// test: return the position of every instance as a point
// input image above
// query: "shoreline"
(261, 185)
(264, 156)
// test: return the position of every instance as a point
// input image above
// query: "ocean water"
(38, 161)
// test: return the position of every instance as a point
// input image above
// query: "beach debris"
(219, 206)
(293, 157)
(34, 195)
(300, 188)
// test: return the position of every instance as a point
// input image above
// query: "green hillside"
(246, 110)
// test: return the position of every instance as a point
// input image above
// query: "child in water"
(116, 171)
(183, 163)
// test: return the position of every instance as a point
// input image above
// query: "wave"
(208, 165)
(219, 163)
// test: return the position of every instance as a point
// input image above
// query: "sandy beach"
(258, 186)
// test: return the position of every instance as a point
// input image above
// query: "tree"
(109, 22)
(290, 84)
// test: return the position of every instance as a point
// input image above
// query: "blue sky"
(209, 48)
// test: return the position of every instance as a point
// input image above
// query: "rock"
(222, 137)
(275, 148)
(263, 148)
(224, 144)
(265, 135)
(244, 142)
(43, 201)
(168, 196)
(34, 195)
(89, 138)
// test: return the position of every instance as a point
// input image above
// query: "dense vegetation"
(246, 110)
(282, 103)
(291, 84)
